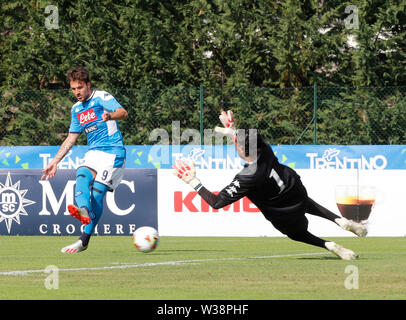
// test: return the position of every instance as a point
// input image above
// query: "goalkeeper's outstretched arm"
(214, 200)
(186, 171)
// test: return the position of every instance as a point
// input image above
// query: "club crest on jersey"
(86, 116)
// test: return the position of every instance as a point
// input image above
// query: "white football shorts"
(108, 167)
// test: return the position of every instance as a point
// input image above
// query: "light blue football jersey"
(85, 117)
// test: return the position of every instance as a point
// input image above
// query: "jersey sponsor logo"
(86, 116)
(91, 128)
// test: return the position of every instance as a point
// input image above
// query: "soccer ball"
(146, 239)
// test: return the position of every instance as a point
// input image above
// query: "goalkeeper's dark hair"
(251, 141)
(79, 74)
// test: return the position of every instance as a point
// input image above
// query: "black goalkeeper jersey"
(273, 187)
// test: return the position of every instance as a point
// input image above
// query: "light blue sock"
(96, 208)
(84, 179)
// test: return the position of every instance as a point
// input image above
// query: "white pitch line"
(124, 265)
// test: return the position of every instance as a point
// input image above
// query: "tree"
(155, 54)
(379, 56)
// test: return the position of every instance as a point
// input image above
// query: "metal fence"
(308, 115)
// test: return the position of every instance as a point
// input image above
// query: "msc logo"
(12, 202)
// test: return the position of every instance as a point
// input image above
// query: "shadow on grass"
(325, 258)
(177, 251)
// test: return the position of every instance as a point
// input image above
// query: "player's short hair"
(251, 141)
(79, 74)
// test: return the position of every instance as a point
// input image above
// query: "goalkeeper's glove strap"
(197, 188)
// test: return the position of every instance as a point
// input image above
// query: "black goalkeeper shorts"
(291, 224)
(289, 214)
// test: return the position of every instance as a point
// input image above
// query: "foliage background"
(260, 58)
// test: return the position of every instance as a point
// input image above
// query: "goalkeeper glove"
(187, 172)
(227, 119)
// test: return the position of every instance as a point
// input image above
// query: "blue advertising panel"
(30, 206)
(375, 157)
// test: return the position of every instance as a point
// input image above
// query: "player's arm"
(234, 191)
(113, 109)
(118, 114)
(51, 168)
(226, 196)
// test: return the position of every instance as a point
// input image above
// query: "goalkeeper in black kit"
(274, 188)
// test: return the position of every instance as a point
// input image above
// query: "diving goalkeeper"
(274, 188)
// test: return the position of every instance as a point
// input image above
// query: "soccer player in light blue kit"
(96, 114)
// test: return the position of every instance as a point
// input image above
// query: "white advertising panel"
(182, 212)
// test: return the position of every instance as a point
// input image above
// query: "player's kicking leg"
(84, 179)
(81, 214)
(98, 192)
(90, 192)
(318, 210)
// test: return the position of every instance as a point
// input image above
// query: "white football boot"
(340, 251)
(74, 247)
(355, 227)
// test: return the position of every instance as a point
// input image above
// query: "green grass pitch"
(197, 268)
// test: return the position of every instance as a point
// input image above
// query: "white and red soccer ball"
(146, 239)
